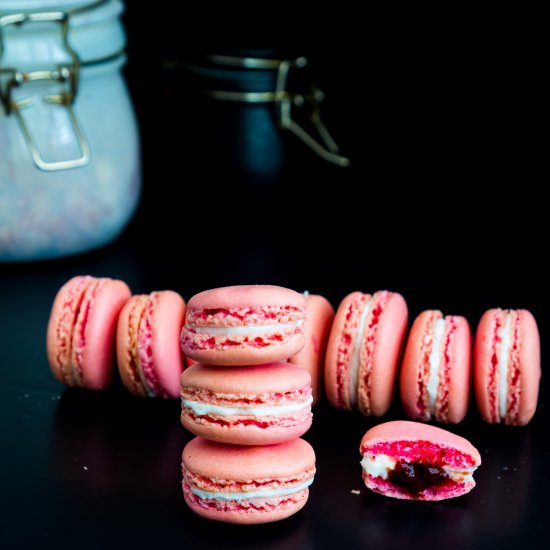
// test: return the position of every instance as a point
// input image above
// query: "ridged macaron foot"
(319, 317)
(436, 370)
(364, 350)
(244, 325)
(251, 405)
(507, 366)
(247, 485)
(81, 332)
(415, 461)
(149, 356)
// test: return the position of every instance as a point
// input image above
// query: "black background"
(441, 203)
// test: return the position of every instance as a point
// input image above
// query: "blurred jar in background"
(70, 173)
(254, 110)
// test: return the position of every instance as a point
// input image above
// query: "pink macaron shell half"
(372, 339)
(319, 317)
(453, 356)
(167, 319)
(250, 405)
(244, 325)
(523, 366)
(386, 352)
(416, 461)
(91, 334)
(149, 355)
(213, 473)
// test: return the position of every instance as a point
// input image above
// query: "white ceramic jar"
(70, 173)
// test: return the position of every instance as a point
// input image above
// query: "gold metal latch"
(66, 74)
(287, 100)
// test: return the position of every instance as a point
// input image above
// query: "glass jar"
(70, 174)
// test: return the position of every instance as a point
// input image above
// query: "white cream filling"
(265, 493)
(204, 408)
(378, 466)
(356, 355)
(505, 335)
(381, 465)
(245, 329)
(436, 354)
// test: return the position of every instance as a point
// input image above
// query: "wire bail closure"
(68, 73)
(286, 101)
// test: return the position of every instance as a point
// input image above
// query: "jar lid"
(83, 12)
(33, 5)
(89, 35)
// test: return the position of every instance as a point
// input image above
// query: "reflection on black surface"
(506, 479)
(288, 534)
(395, 523)
(111, 443)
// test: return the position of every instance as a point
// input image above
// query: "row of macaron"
(258, 324)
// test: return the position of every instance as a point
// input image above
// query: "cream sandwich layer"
(381, 465)
(356, 356)
(506, 338)
(202, 409)
(244, 329)
(436, 356)
(265, 493)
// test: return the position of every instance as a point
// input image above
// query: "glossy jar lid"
(41, 5)
(95, 32)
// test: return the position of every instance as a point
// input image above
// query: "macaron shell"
(232, 462)
(460, 371)
(412, 364)
(248, 355)
(246, 296)
(251, 517)
(130, 379)
(389, 336)
(529, 367)
(483, 350)
(246, 435)
(331, 361)
(70, 295)
(404, 430)
(167, 319)
(276, 377)
(100, 334)
(319, 317)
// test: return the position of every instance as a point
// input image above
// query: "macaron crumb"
(355, 492)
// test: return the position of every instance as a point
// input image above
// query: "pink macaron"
(435, 375)
(251, 405)
(364, 350)
(239, 484)
(319, 317)
(507, 366)
(244, 325)
(80, 340)
(415, 461)
(149, 356)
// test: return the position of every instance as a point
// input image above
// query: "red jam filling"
(416, 478)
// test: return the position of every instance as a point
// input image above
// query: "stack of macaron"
(95, 319)
(247, 405)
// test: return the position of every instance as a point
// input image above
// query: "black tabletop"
(439, 203)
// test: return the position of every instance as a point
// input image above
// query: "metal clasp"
(11, 78)
(285, 101)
